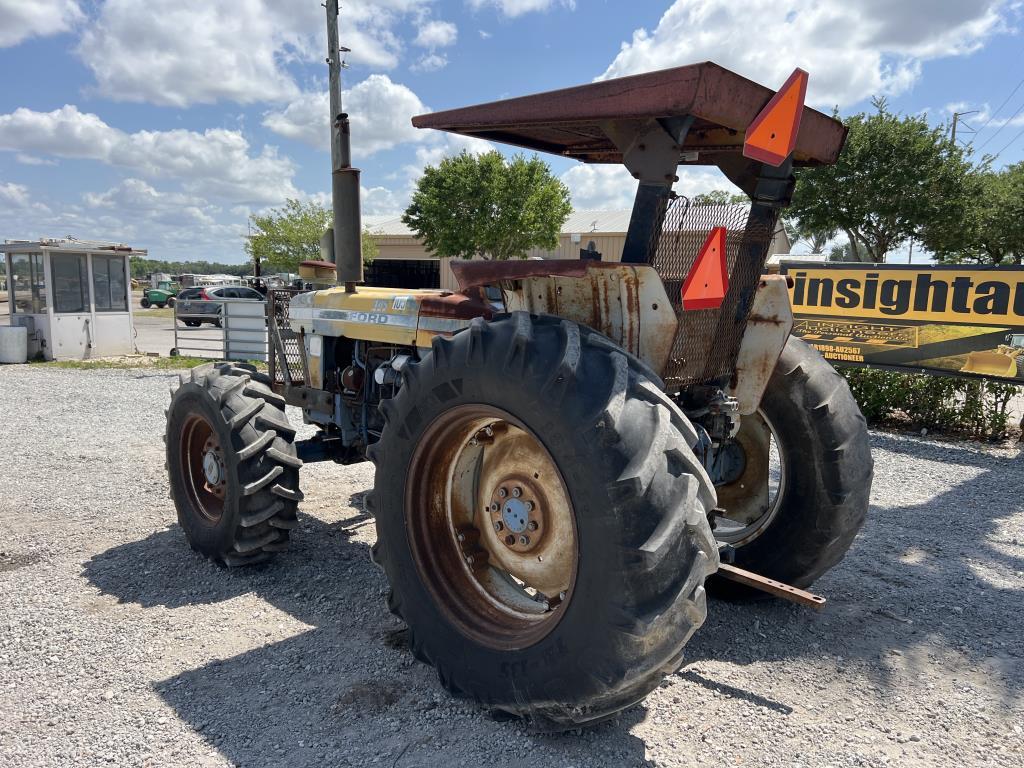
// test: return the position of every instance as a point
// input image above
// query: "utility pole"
(958, 118)
(348, 255)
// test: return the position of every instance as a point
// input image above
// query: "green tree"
(992, 232)
(487, 206)
(816, 239)
(718, 197)
(286, 236)
(897, 178)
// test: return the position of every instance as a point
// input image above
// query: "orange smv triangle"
(771, 138)
(708, 280)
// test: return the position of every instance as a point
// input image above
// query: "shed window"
(108, 284)
(28, 283)
(70, 283)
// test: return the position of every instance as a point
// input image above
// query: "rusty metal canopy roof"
(569, 122)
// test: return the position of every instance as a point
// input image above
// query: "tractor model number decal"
(399, 302)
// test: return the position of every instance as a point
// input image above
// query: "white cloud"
(381, 201)
(485, 35)
(599, 187)
(14, 194)
(437, 34)
(430, 63)
(33, 160)
(22, 19)
(182, 52)
(513, 8)
(381, 112)
(216, 162)
(853, 49)
(610, 187)
(134, 196)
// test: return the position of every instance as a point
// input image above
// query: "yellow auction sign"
(948, 319)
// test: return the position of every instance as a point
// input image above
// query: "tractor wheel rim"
(737, 534)
(203, 468)
(491, 526)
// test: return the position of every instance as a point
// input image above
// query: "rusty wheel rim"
(203, 468)
(738, 532)
(491, 526)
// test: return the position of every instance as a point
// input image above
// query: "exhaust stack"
(347, 235)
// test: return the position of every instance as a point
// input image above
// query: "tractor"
(564, 475)
(164, 295)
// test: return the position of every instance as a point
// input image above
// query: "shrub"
(976, 407)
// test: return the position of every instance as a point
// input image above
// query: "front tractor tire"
(542, 520)
(802, 495)
(232, 465)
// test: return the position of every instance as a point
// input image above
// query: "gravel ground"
(120, 646)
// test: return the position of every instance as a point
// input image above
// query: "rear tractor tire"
(541, 520)
(232, 465)
(802, 495)
(170, 301)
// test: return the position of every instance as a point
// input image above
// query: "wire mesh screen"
(707, 341)
(286, 353)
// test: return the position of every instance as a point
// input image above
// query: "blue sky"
(165, 123)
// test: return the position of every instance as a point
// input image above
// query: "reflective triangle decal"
(708, 281)
(771, 138)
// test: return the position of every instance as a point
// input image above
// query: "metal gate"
(221, 329)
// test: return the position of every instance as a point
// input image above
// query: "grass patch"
(133, 361)
(154, 312)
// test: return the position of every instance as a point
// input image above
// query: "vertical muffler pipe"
(348, 247)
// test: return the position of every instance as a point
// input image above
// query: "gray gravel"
(120, 646)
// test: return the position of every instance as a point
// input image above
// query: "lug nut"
(517, 492)
(498, 526)
(529, 506)
(502, 493)
(494, 507)
(561, 595)
(524, 540)
(532, 525)
(461, 537)
(510, 540)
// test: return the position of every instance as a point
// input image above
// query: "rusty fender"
(768, 328)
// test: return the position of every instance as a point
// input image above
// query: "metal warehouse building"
(603, 231)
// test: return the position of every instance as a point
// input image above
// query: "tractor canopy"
(578, 122)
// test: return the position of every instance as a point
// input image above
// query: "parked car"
(161, 296)
(203, 305)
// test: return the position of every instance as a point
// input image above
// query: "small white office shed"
(73, 296)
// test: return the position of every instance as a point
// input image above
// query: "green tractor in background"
(161, 296)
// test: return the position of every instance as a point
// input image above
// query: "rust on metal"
(768, 327)
(459, 306)
(571, 121)
(771, 586)
(471, 274)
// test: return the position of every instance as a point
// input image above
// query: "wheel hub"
(211, 468)
(516, 515)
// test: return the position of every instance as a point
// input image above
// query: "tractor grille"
(286, 355)
(708, 340)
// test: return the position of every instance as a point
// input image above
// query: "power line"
(1005, 101)
(1010, 120)
(1021, 133)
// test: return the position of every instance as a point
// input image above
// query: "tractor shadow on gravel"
(918, 576)
(344, 690)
